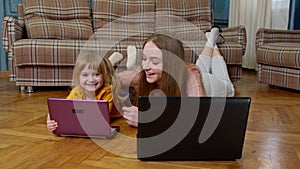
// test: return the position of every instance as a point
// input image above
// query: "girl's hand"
(51, 124)
(131, 115)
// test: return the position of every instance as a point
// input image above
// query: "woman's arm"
(129, 77)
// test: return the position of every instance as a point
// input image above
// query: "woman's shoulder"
(129, 77)
(193, 67)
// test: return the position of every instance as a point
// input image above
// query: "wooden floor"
(272, 136)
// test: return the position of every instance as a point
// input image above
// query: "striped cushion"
(56, 19)
(50, 62)
(46, 52)
(124, 19)
(53, 52)
(279, 54)
(185, 18)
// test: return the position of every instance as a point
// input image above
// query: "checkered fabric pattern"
(57, 19)
(185, 21)
(50, 61)
(279, 76)
(110, 23)
(183, 18)
(278, 57)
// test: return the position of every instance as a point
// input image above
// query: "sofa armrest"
(236, 34)
(12, 30)
(264, 35)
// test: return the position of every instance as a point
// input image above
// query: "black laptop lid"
(192, 128)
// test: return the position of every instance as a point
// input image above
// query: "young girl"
(93, 80)
(163, 72)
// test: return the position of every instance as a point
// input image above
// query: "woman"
(163, 72)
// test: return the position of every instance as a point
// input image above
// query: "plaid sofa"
(44, 40)
(278, 57)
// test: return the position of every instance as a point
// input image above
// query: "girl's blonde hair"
(95, 62)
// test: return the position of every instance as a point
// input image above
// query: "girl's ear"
(115, 57)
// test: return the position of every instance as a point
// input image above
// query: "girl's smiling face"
(152, 62)
(90, 79)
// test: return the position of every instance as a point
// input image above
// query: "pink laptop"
(81, 118)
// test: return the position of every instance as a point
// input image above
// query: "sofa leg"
(29, 89)
(272, 86)
(22, 88)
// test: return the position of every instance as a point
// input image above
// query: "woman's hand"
(51, 124)
(131, 115)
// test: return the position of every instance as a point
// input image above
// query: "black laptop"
(192, 128)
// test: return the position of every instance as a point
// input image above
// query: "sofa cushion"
(187, 18)
(118, 19)
(47, 52)
(279, 54)
(56, 19)
(54, 52)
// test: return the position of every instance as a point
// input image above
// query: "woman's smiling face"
(152, 62)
